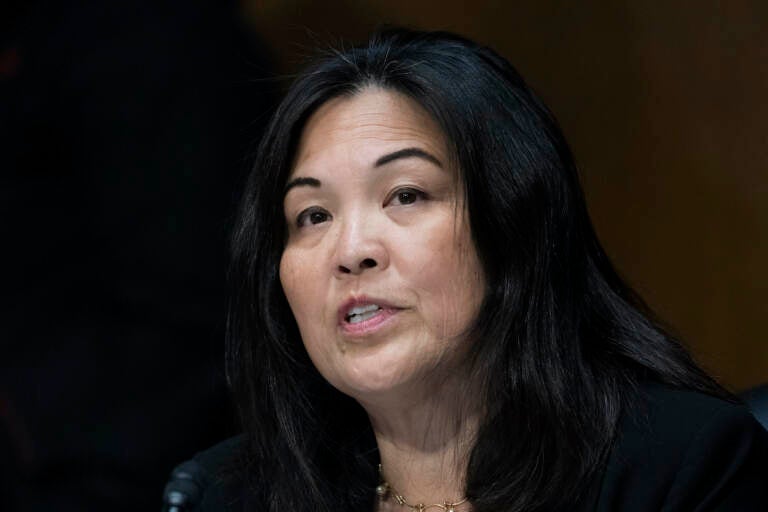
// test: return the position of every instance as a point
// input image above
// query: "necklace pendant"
(382, 491)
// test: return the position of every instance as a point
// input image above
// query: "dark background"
(125, 130)
(124, 135)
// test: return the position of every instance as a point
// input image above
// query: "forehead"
(362, 127)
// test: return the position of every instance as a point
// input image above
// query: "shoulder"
(681, 450)
(211, 481)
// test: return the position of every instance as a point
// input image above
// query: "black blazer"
(675, 451)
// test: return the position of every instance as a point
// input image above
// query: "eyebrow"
(301, 181)
(383, 160)
(407, 153)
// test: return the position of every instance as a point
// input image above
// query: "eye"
(405, 196)
(311, 216)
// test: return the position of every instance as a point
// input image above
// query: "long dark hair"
(562, 345)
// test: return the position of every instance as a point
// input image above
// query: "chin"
(374, 379)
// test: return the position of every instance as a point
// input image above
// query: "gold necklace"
(384, 491)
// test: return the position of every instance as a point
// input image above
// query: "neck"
(424, 440)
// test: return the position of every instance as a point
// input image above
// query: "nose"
(360, 246)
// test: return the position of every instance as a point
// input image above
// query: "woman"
(423, 317)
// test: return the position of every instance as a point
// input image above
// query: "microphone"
(184, 490)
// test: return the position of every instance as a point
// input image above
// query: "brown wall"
(666, 107)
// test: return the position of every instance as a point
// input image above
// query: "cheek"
(306, 291)
(449, 282)
(297, 281)
(289, 277)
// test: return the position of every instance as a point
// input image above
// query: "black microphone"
(184, 490)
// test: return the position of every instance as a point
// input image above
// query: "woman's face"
(379, 267)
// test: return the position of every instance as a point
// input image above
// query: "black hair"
(563, 342)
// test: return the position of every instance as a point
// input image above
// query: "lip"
(371, 325)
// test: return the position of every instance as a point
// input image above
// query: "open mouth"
(362, 313)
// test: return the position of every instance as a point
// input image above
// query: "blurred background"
(125, 132)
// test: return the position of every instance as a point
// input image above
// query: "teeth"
(359, 310)
(354, 319)
(361, 313)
